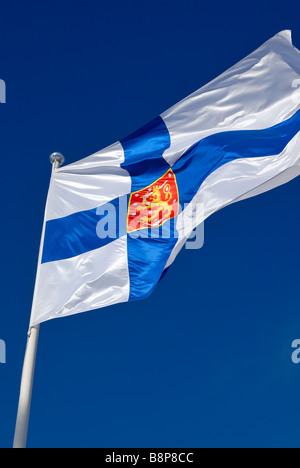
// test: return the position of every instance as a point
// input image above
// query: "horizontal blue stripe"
(79, 233)
(203, 158)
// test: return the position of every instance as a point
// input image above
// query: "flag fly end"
(287, 34)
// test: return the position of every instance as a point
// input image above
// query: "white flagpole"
(30, 355)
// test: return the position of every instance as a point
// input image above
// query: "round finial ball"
(57, 157)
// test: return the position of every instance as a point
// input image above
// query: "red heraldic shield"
(154, 205)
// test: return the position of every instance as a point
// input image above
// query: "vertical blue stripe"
(147, 258)
(143, 152)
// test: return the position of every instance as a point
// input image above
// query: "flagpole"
(21, 430)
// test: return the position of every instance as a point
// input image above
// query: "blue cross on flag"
(115, 221)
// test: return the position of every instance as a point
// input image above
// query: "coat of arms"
(154, 205)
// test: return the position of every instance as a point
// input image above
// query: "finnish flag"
(115, 221)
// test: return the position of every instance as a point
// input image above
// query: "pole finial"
(57, 159)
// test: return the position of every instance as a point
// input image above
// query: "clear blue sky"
(206, 360)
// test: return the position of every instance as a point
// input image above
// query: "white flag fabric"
(115, 221)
